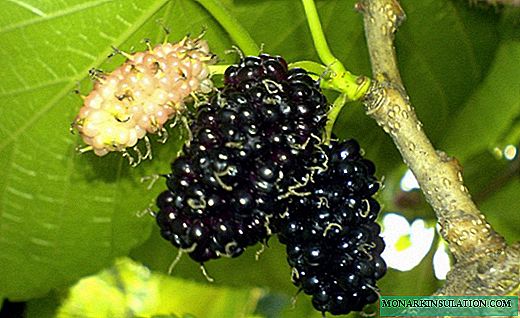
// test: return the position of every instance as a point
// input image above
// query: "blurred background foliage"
(65, 216)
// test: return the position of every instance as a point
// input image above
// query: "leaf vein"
(54, 15)
(28, 7)
(34, 87)
(67, 88)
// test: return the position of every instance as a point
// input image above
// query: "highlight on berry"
(141, 96)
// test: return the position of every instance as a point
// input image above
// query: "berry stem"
(237, 32)
(333, 115)
(320, 42)
(312, 67)
(339, 79)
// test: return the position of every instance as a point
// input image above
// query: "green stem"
(333, 115)
(340, 79)
(239, 35)
(320, 42)
(316, 69)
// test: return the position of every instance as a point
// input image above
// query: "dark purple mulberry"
(333, 243)
(251, 143)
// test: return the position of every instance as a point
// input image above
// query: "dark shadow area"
(12, 309)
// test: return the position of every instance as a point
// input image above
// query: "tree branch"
(484, 263)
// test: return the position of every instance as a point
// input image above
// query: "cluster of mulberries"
(332, 240)
(255, 166)
(251, 143)
(142, 94)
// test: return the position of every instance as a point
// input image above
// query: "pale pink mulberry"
(141, 95)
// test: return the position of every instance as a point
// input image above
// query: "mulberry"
(142, 94)
(250, 146)
(332, 240)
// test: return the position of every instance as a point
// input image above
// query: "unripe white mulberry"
(141, 95)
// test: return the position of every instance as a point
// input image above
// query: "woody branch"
(484, 262)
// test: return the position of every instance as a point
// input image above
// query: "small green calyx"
(354, 87)
(336, 77)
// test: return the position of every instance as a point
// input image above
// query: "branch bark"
(485, 264)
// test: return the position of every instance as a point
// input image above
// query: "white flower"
(406, 245)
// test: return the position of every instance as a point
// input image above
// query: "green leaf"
(45, 307)
(130, 290)
(491, 110)
(444, 49)
(65, 215)
(270, 271)
(501, 209)
(480, 174)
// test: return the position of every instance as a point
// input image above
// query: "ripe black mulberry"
(332, 240)
(251, 143)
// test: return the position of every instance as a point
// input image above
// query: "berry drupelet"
(251, 144)
(332, 240)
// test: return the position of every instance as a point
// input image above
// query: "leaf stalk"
(236, 31)
(337, 77)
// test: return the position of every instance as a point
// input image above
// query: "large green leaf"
(495, 187)
(444, 50)
(492, 109)
(270, 271)
(64, 215)
(129, 289)
(502, 210)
